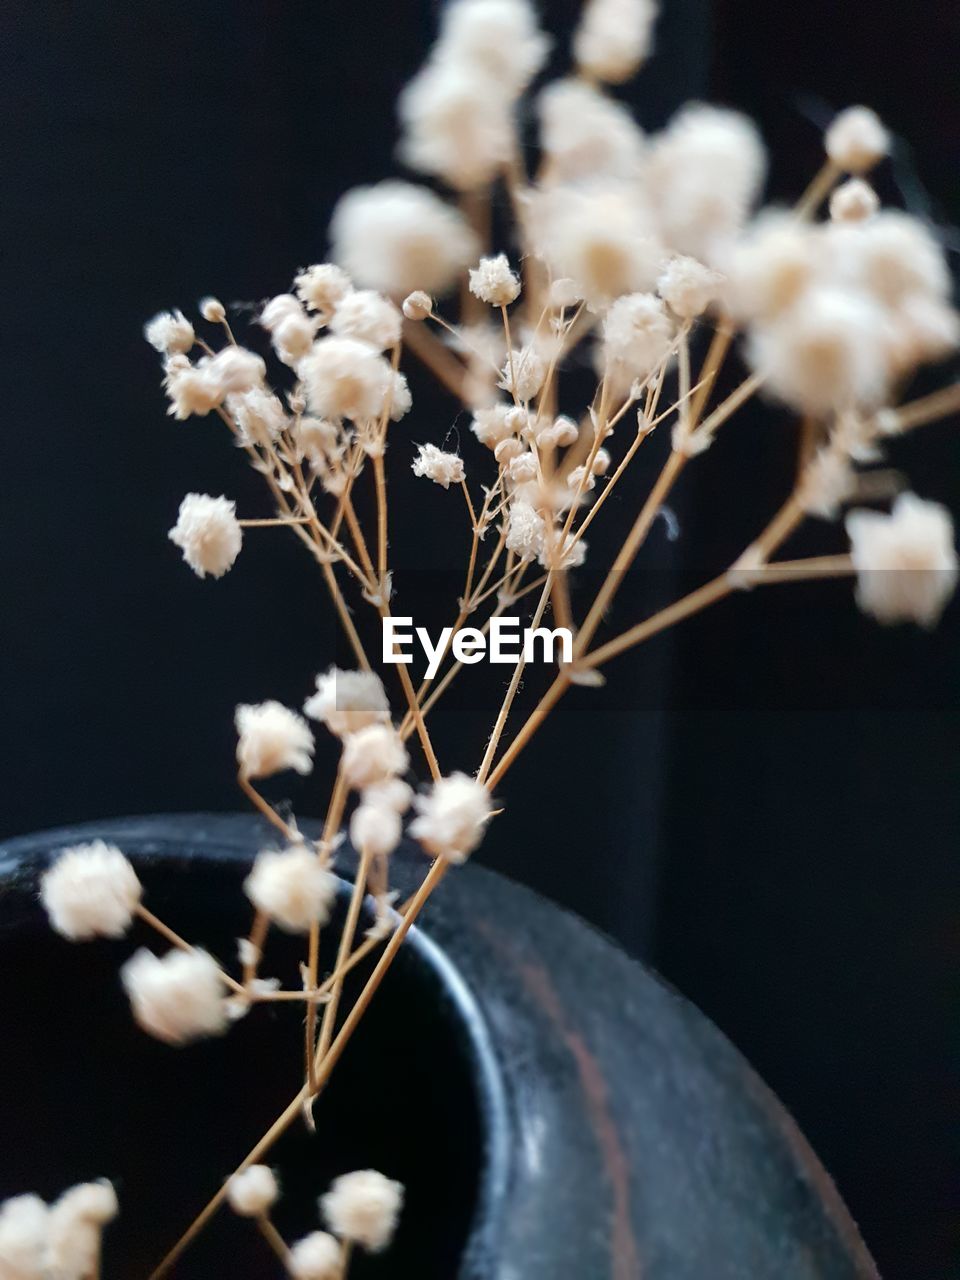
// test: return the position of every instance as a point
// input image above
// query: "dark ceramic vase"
(554, 1110)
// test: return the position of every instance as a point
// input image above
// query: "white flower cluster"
(442, 468)
(906, 561)
(839, 311)
(178, 997)
(91, 891)
(292, 888)
(61, 1241)
(253, 1191)
(271, 738)
(452, 817)
(361, 1208)
(457, 114)
(208, 533)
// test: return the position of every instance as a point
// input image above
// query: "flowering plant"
(632, 248)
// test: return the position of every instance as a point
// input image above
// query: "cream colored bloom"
(363, 1207)
(252, 1191)
(493, 281)
(292, 887)
(906, 561)
(178, 997)
(857, 140)
(90, 891)
(169, 331)
(373, 754)
(613, 39)
(452, 817)
(347, 701)
(442, 468)
(208, 533)
(272, 738)
(316, 1257)
(396, 237)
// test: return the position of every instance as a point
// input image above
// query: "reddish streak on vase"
(623, 1244)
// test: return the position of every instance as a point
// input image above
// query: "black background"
(764, 804)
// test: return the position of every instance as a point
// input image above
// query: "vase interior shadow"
(88, 1094)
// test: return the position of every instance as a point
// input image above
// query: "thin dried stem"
(818, 190)
(324, 1068)
(511, 693)
(274, 1239)
(267, 809)
(181, 944)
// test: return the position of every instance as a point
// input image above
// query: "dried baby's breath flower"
(259, 416)
(581, 478)
(176, 998)
(492, 281)
(234, 369)
(826, 353)
(587, 135)
(417, 305)
(498, 40)
(253, 1191)
(525, 530)
(272, 738)
(601, 239)
(771, 267)
(94, 1202)
(322, 287)
(508, 449)
(601, 462)
(316, 1257)
(396, 237)
(704, 173)
(168, 332)
(523, 468)
(368, 316)
(23, 1237)
(293, 337)
(345, 378)
(283, 307)
(318, 442)
(637, 333)
(363, 1207)
(614, 38)
(74, 1229)
(401, 401)
(90, 891)
(394, 794)
(906, 562)
(442, 468)
(455, 126)
(894, 256)
(292, 887)
(196, 389)
(493, 424)
(208, 533)
(213, 310)
(854, 201)
(523, 373)
(347, 701)
(856, 140)
(563, 293)
(373, 754)
(452, 816)
(688, 287)
(375, 828)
